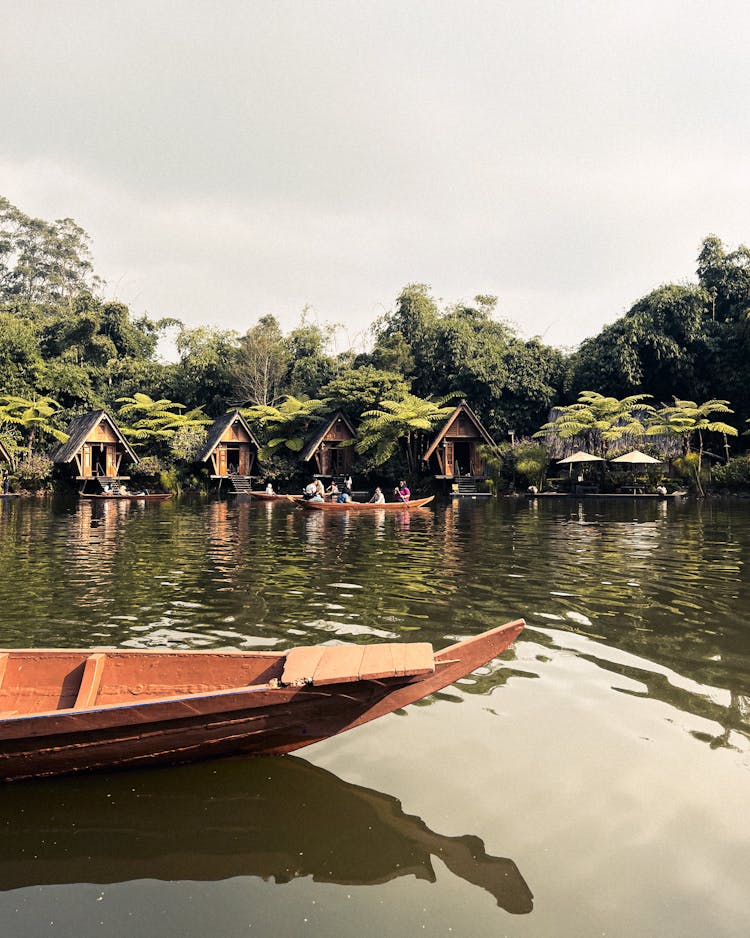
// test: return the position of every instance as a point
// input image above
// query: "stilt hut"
(330, 450)
(96, 451)
(231, 451)
(453, 454)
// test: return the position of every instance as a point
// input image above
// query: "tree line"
(66, 349)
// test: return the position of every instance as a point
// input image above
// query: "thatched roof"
(217, 430)
(320, 434)
(463, 407)
(80, 429)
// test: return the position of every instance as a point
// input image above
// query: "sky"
(235, 158)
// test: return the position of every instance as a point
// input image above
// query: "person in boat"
(661, 490)
(320, 489)
(402, 491)
(269, 489)
(377, 497)
(310, 490)
(332, 490)
(6, 482)
(343, 497)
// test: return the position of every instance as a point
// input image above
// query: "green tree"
(43, 261)
(261, 363)
(402, 423)
(20, 355)
(686, 420)
(356, 390)
(203, 375)
(310, 366)
(597, 420)
(34, 418)
(148, 422)
(288, 423)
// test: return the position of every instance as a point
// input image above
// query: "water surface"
(592, 781)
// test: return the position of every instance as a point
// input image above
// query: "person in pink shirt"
(402, 491)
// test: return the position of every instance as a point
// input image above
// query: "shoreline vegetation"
(670, 378)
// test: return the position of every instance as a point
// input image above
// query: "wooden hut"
(96, 450)
(330, 450)
(453, 453)
(231, 451)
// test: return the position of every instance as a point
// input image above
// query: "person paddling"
(402, 491)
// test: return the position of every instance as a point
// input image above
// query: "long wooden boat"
(265, 497)
(365, 506)
(129, 497)
(66, 711)
(608, 496)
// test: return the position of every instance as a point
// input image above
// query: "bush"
(33, 473)
(530, 461)
(146, 473)
(734, 473)
(187, 443)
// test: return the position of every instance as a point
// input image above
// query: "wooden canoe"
(265, 497)
(121, 497)
(365, 506)
(67, 711)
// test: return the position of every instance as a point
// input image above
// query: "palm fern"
(403, 422)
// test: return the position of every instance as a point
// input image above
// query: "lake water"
(593, 781)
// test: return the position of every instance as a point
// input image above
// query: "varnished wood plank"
(300, 664)
(91, 681)
(340, 663)
(3, 665)
(418, 658)
(399, 659)
(377, 663)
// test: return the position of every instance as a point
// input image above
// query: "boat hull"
(103, 497)
(365, 506)
(255, 720)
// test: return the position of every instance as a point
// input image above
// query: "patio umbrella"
(576, 459)
(579, 456)
(636, 458)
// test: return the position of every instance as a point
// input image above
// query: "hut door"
(343, 460)
(325, 461)
(448, 458)
(222, 467)
(86, 471)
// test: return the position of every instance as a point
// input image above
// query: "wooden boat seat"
(91, 681)
(338, 664)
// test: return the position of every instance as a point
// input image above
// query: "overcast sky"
(231, 159)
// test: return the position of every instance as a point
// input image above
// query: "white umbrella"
(580, 456)
(636, 458)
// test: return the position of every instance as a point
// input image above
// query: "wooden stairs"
(467, 486)
(240, 485)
